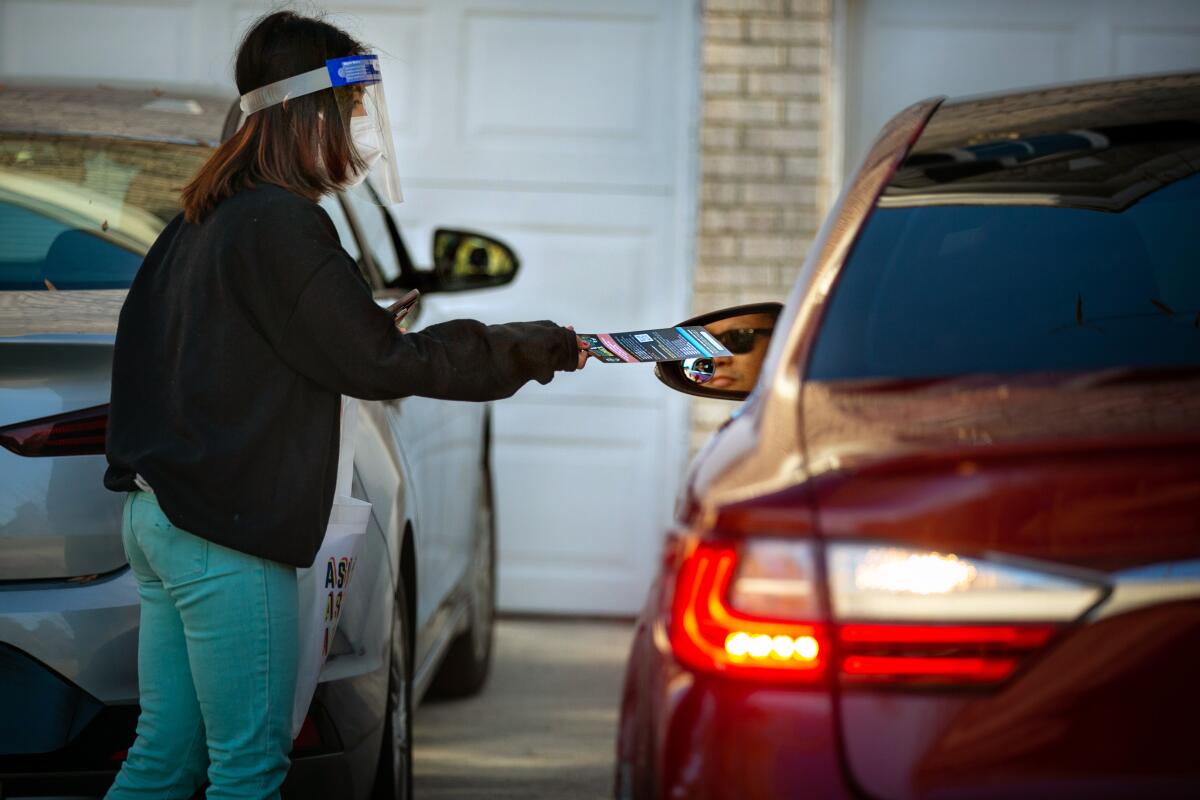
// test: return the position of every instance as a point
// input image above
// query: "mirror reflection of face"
(746, 337)
(698, 370)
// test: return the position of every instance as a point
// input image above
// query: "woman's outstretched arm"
(340, 338)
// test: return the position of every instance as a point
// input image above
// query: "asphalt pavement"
(543, 728)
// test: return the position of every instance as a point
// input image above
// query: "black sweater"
(236, 339)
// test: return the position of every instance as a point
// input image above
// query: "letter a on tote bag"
(322, 588)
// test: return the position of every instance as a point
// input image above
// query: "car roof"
(1102, 146)
(1069, 106)
(185, 115)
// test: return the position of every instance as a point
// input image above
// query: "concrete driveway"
(545, 725)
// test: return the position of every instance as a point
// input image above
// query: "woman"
(244, 325)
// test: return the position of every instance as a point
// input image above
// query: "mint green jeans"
(216, 664)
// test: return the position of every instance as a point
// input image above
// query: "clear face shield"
(358, 86)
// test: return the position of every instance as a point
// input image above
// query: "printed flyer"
(662, 344)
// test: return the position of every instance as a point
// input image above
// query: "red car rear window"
(1072, 249)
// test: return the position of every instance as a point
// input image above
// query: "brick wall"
(762, 184)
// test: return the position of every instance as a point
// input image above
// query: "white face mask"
(365, 136)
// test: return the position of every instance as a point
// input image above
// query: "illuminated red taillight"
(754, 608)
(76, 433)
(717, 625)
(908, 616)
(936, 653)
(925, 669)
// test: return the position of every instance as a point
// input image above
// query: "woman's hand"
(583, 349)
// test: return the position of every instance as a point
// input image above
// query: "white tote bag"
(322, 588)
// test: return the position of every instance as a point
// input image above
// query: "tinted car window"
(1016, 261)
(80, 212)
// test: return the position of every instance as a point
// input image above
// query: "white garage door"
(900, 51)
(562, 126)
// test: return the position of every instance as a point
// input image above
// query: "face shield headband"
(369, 132)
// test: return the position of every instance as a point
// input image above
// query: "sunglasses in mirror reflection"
(747, 337)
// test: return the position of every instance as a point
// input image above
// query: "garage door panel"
(549, 207)
(1156, 50)
(593, 98)
(590, 272)
(899, 53)
(560, 94)
(597, 278)
(535, 538)
(603, 263)
(589, 552)
(570, 589)
(618, 386)
(1008, 57)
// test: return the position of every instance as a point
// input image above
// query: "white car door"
(440, 441)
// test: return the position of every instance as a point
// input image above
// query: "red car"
(949, 546)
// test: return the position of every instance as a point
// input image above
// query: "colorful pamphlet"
(663, 344)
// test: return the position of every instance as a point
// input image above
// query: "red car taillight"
(754, 608)
(912, 616)
(76, 433)
(936, 653)
(733, 614)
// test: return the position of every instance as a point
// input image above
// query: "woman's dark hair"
(288, 144)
